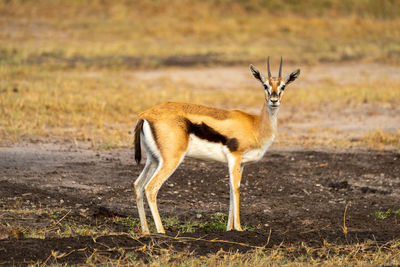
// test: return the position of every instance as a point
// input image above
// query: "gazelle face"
(274, 87)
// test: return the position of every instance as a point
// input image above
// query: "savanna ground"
(75, 74)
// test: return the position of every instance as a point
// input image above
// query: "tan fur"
(274, 82)
(250, 130)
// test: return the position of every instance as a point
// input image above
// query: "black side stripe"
(203, 131)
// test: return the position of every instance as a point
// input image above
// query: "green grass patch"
(217, 222)
(385, 214)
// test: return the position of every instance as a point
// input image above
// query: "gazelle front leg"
(235, 175)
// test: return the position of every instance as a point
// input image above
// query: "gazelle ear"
(257, 74)
(292, 76)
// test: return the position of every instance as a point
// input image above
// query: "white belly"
(203, 149)
(256, 154)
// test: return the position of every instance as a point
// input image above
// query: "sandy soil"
(311, 75)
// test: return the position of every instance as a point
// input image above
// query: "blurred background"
(80, 71)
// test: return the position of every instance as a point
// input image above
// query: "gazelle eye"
(265, 86)
(283, 87)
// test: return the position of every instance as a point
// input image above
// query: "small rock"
(306, 192)
(339, 185)
(367, 189)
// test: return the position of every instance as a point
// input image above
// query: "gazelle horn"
(280, 69)
(269, 71)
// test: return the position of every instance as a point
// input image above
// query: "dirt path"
(311, 75)
(298, 195)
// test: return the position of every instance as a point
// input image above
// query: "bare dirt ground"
(311, 75)
(290, 196)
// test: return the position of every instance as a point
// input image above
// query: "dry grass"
(101, 106)
(65, 65)
(378, 139)
(366, 254)
(121, 34)
(386, 93)
(59, 223)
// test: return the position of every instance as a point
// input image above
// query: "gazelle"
(168, 132)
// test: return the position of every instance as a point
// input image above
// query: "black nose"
(274, 97)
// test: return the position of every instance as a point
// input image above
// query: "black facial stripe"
(204, 131)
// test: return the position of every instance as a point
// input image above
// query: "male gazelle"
(171, 131)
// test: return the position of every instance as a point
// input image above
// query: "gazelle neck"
(269, 116)
(267, 123)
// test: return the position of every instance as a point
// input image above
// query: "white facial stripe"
(281, 85)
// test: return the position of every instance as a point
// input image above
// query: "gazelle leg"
(229, 226)
(164, 170)
(140, 182)
(235, 175)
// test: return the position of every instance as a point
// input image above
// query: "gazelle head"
(274, 86)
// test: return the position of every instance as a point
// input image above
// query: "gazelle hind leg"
(141, 181)
(163, 172)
